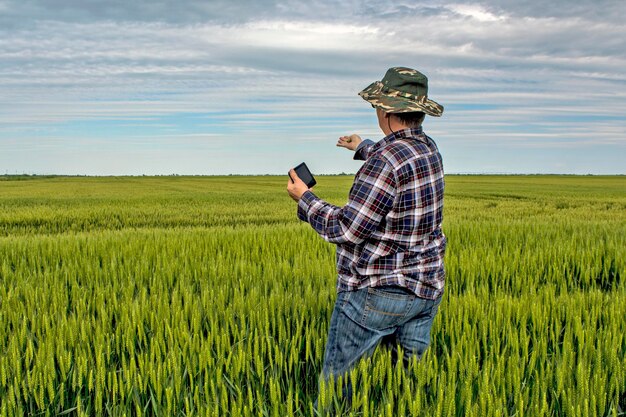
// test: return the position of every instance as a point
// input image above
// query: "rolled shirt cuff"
(359, 152)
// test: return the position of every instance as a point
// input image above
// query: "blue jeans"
(362, 319)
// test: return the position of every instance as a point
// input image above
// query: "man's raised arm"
(361, 147)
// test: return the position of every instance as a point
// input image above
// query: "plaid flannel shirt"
(389, 232)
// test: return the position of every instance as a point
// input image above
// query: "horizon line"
(6, 175)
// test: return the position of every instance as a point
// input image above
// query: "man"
(390, 245)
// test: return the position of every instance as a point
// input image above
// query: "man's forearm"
(371, 198)
(325, 219)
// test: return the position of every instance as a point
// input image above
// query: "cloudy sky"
(256, 86)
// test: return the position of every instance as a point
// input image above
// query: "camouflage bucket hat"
(402, 90)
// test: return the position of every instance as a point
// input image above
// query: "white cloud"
(475, 11)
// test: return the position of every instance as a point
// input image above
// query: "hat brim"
(397, 104)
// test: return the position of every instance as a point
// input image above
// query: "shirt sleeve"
(362, 150)
(371, 198)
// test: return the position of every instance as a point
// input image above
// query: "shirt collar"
(410, 133)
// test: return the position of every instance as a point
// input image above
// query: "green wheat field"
(205, 296)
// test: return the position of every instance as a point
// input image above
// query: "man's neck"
(395, 126)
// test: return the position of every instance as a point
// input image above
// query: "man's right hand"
(349, 142)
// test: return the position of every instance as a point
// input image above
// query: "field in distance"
(206, 296)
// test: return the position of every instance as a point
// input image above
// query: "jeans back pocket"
(385, 309)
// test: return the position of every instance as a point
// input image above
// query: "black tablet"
(305, 175)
